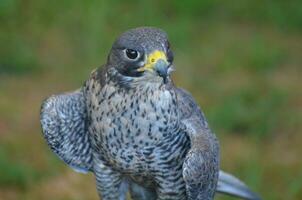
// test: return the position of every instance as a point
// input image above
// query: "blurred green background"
(241, 60)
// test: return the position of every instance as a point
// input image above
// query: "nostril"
(161, 68)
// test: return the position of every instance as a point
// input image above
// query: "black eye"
(170, 56)
(168, 45)
(131, 54)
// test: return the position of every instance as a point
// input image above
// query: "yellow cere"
(152, 59)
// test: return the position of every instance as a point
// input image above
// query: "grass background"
(241, 60)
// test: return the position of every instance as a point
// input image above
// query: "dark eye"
(131, 54)
(170, 56)
(168, 44)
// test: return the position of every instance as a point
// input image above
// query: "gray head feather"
(143, 41)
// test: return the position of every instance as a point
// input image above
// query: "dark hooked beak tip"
(161, 68)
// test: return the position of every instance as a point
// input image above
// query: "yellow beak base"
(152, 59)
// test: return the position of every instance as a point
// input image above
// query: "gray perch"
(136, 131)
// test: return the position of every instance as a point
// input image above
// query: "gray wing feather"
(64, 125)
(228, 184)
(200, 169)
(201, 165)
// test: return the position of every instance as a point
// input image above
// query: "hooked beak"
(157, 61)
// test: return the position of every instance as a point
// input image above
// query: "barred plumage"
(135, 130)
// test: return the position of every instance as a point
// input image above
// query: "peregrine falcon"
(135, 130)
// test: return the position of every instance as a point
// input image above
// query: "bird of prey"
(135, 130)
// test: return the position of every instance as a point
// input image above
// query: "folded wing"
(200, 169)
(201, 165)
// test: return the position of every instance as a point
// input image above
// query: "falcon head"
(142, 54)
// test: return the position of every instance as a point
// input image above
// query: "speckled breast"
(130, 125)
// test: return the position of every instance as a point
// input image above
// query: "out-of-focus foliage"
(241, 60)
